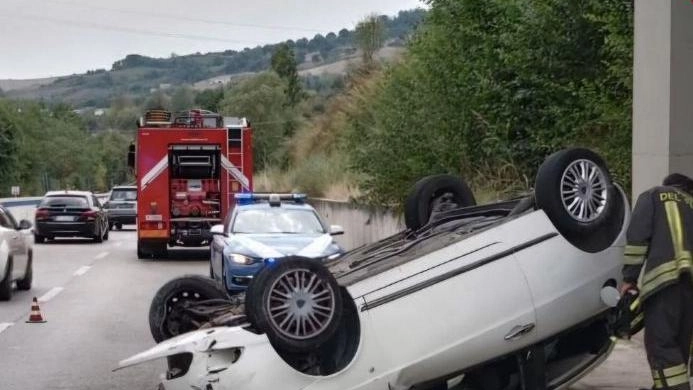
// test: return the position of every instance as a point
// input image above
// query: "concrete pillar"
(662, 91)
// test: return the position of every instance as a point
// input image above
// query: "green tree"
(182, 99)
(284, 64)
(209, 99)
(490, 87)
(369, 36)
(262, 100)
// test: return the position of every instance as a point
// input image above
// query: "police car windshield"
(277, 220)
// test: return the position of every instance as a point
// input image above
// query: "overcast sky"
(41, 38)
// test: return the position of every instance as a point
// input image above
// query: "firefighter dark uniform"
(658, 258)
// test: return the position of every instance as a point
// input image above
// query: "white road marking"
(82, 270)
(50, 294)
(101, 255)
(5, 325)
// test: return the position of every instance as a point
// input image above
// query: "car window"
(127, 195)
(6, 220)
(96, 202)
(72, 201)
(277, 220)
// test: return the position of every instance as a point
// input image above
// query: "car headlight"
(334, 256)
(240, 259)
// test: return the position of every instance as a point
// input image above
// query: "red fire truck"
(188, 167)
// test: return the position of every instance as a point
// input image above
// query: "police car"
(264, 228)
(516, 294)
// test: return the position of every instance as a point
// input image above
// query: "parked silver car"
(15, 254)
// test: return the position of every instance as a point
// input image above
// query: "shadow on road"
(183, 254)
(70, 241)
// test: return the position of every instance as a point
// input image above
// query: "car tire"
(39, 239)
(110, 226)
(98, 237)
(105, 235)
(119, 226)
(25, 283)
(574, 188)
(431, 194)
(165, 319)
(159, 250)
(284, 283)
(6, 283)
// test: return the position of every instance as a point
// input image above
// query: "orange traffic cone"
(35, 317)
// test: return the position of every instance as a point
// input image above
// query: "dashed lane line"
(82, 270)
(50, 294)
(5, 325)
(101, 255)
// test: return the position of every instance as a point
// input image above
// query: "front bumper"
(66, 229)
(237, 276)
(224, 358)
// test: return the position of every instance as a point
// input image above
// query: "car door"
(16, 243)
(216, 250)
(453, 308)
(565, 281)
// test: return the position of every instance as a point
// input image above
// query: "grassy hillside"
(137, 76)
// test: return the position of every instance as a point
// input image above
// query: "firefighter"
(658, 264)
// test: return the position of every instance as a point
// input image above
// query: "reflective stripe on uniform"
(634, 254)
(682, 258)
(672, 376)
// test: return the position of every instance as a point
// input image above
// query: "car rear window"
(124, 195)
(64, 201)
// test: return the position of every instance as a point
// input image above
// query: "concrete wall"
(662, 91)
(361, 225)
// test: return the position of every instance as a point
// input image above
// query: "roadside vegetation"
(485, 89)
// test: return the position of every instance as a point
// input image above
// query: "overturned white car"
(499, 296)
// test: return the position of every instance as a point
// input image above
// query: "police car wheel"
(574, 188)
(166, 315)
(297, 303)
(435, 193)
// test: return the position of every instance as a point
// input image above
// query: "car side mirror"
(336, 230)
(24, 225)
(218, 230)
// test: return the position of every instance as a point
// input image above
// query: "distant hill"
(137, 76)
(11, 84)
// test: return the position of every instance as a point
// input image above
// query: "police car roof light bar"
(273, 198)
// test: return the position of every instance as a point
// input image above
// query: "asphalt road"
(95, 298)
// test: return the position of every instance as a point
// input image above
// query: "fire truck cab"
(188, 167)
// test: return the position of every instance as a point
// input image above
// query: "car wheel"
(167, 317)
(574, 188)
(141, 254)
(98, 237)
(110, 226)
(433, 194)
(119, 226)
(105, 235)
(25, 284)
(39, 239)
(297, 303)
(6, 284)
